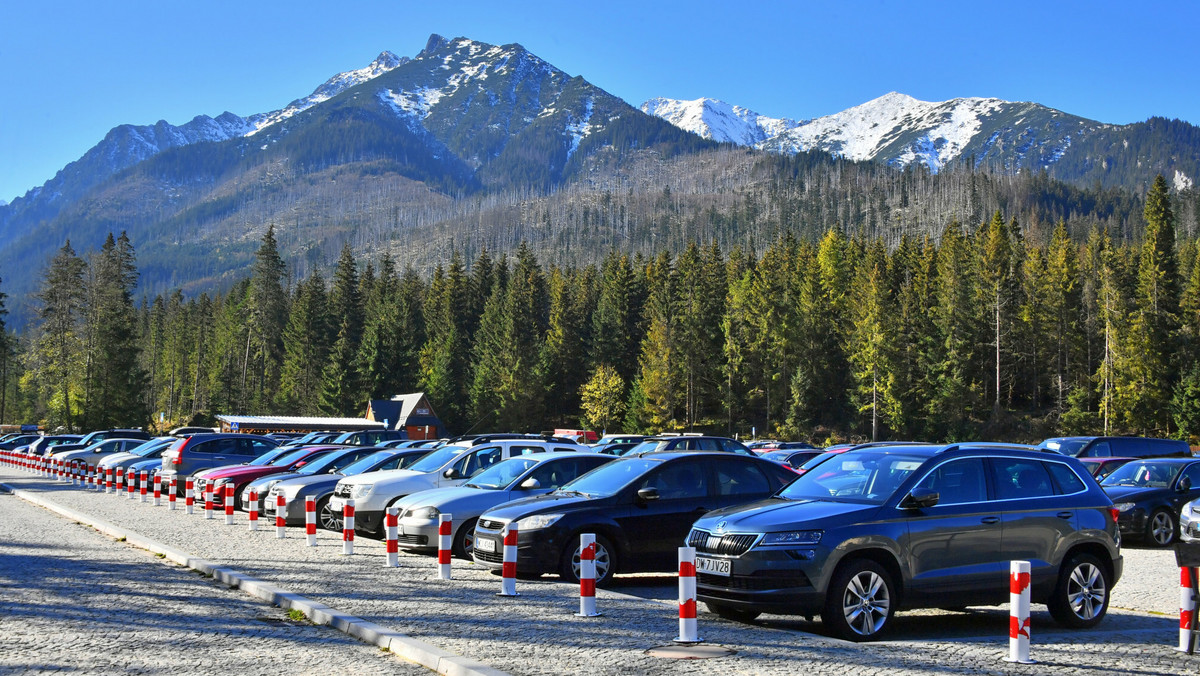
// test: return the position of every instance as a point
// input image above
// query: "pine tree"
(995, 285)
(341, 390)
(563, 353)
(306, 338)
(6, 355)
(268, 315)
(869, 346)
(660, 376)
(57, 361)
(956, 378)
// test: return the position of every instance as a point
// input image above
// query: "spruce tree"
(341, 390)
(307, 342)
(267, 318)
(58, 359)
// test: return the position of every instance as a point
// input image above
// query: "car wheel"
(731, 613)
(606, 561)
(327, 518)
(1080, 599)
(1161, 529)
(859, 601)
(464, 540)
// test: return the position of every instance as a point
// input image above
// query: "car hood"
(1134, 493)
(774, 514)
(386, 476)
(111, 460)
(313, 482)
(278, 476)
(553, 502)
(462, 502)
(244, 472)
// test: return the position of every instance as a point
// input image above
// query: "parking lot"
(537, 632)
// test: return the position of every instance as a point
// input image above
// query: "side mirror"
(530, 484)
(920, 498)
(452, 474)
(1185, 484)
(647, 494)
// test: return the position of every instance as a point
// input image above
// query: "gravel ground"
(74, 600)
(537, 633)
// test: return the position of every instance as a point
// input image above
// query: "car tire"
(731, 613)
(1080, 599)
(860, 601)
(464, 540)
(328, 519)
(1162, 528)
(606, 561)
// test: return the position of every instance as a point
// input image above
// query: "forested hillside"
(996, 328)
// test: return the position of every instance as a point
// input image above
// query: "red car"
(1102, 467)
(240, 475)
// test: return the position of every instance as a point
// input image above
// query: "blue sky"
(70, 71)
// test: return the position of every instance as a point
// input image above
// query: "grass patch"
(160, 555)
(121, 539)
(297, 615)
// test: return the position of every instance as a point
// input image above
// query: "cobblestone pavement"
(537, 633)
(73, 600)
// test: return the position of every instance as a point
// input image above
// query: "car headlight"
(425, 512)
(267, 487)
(537, 521)
(1192, 507)
(362, 491)
(1123, 506)
(793, 537)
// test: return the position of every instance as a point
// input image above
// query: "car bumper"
(1132, 523)
(537, 551)
(778, 580)
(417, 534)
(1189, 527)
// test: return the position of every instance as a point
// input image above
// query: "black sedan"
(1148, 495)
(639, 507)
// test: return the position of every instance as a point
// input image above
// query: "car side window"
(478, 461)
(741, 478)
(1068, 481)
(1101, 449)
(203, 447)
(554, 473)
(1020, 478)
(678, 480)
(732, 446)
(703, 445)
(524, 450)
(1192, 471)
(957, 482)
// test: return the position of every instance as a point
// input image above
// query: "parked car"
(198, 452)
(640, 507)
(618, 439)
(148, 450)
(791, 458)
(42, 445)
(240, 475)
(1102, 467)
(617, 447)
(320, 487)
(151, 466)
(328, 463)
(689, 442)
(94, 453)
(520, 477)
(121, 433)
(18, 441)
(888, 528)
(370, 437)
(1149, 494)
(1118, 447)
(450, 465)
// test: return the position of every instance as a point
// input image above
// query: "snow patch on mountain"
(581, 128)
(718, 121)
(335, 85)
(417, 103)
(1182, 181)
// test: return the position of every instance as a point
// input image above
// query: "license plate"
(337, 505)
(485, 545)
(711, 566)
(399, 529)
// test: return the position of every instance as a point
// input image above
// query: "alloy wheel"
(866, 603)
(1086, 591)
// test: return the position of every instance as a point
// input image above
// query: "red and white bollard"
(688, 633)
(120, 481)
(157, 490)
(143, 479)
(445, 542)
(189, 496)
(208, 500)
(280, 517)
(172, 492)
(229, 504)
(508, 581)
(348, 528)
(1018, 616)
(391, 524)
(131, 485)
(587, 576)
(253, 509)
(310, 521)
(1187, 609)
(108, 480)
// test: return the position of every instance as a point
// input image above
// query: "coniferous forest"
(978, 332)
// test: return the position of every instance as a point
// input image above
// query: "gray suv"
(876, 530)
(205, 451)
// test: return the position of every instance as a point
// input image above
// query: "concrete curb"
(411, 649)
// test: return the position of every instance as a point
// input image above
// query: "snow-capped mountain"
(895, 128)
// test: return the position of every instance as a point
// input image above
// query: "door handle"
(990, 519)
(1065, 515)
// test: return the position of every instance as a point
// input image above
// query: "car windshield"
(1146, 474)
(817, 460)
(1065, 446)
(650, 445)
(437, 458)
(778, 456)
(295, 456)
(868, 477)
(150, 446)
(501, 475)
(609, 478)
(327, 462)
(269, 456)
(366, 463)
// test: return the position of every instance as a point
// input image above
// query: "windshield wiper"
(580, 494)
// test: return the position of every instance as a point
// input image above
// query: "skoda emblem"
(720, 526)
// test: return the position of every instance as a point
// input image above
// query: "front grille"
(766, 579)
(488, 524)
(490, 557)
(413, 540)
(723, 545)
(342, 491)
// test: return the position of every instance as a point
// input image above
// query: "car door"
(655, 529)
(955, 546)
(1037, 519)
